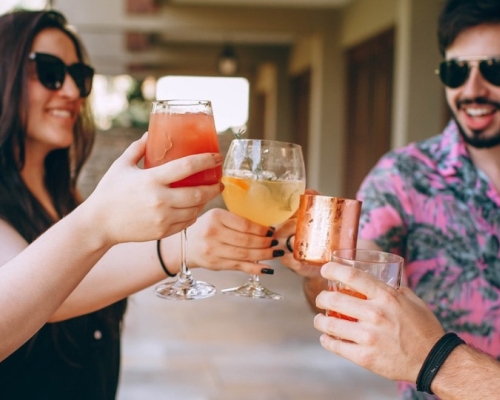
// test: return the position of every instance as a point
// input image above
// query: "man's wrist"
(435, 360)
(468, 374)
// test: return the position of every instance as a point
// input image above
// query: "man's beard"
(476, 140)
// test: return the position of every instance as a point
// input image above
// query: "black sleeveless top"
(76, 359)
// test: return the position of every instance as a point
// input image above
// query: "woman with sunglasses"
(437, 202)
(45, 137)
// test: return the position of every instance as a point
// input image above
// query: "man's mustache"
(478, 101)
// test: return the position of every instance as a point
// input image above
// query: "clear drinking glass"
(178, 128)
(386, 267)
(263, 182)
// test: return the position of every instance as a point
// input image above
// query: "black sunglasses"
(454, 72)
(51, 72)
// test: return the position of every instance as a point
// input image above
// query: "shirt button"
(97, 335)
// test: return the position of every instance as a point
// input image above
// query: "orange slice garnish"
(236, 182)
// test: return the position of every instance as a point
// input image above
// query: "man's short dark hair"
(459, 15)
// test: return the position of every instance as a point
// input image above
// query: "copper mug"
(325, 224)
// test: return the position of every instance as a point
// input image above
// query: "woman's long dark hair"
(18, 206)
(62, 167)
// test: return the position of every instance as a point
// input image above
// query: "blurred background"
(346, 79)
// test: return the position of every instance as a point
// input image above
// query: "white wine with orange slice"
(266, 202)
(263, 181)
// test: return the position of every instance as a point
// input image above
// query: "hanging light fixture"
(228, 63)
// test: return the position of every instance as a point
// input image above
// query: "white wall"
(363, 19)
(418, 94)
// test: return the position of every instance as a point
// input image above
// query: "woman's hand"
(394, 331)
(221, 240)
(133, 204)
(285, 234)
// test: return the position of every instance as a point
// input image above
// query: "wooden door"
(368, 107)
(300, 94)
(259, 117)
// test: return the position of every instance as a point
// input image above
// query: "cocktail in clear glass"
(178, 128)
(263, 182)
(386, 267)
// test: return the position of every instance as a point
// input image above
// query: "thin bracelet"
(161, 260)
(435, 359)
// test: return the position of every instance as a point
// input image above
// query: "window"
(229, 97)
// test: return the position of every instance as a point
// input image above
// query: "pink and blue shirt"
(428, 203)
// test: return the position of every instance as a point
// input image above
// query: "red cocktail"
(175, 135)
(179, 128)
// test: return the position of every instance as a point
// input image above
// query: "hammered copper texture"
(325, 224)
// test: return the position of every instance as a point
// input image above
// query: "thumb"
(135, 151)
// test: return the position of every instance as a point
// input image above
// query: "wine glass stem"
(185, 273)
(254, 279)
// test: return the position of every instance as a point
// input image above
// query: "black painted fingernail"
(278, 253)
(270, 232)
(274, 243)
(267, 271)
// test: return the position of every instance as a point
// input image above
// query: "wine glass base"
(178, 291)
(254, 291)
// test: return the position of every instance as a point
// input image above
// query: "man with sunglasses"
(437, 203)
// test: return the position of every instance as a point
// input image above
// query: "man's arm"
(393, 333)
(468, 374)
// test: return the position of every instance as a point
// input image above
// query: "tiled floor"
(236, 349)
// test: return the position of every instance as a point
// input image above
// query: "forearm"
(467, 374)
(124, 270)
(36, 282)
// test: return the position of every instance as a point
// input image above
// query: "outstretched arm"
(218, 240)
(126, 206)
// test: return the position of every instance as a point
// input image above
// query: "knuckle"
(207, 250)
(376, 315)
(186, 164)
(198, 196)
(242, 253)
(367, 336)
(334, 345)
(216, 214)
(365, 358)
(353, 274)
(331, 325)
(332, 299)
(246, 241)
(244, 224)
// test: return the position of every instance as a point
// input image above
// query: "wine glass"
(178, 128)
(263, 181)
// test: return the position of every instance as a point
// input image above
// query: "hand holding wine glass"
(263, 181)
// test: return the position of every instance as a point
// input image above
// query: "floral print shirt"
(430, 204)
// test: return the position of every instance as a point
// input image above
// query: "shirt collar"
(452, 150)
